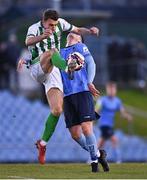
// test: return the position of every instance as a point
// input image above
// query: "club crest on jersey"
(85, 49)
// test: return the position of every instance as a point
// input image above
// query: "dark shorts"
(78, 108)
(106, 132)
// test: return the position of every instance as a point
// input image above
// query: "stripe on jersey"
(41, 42)
(34, 52)
(60, 28)
(70, 28)
(49, 43)
(30, 35)
(56, 40)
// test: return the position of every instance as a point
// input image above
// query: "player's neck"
(111, 97)
(71, 43)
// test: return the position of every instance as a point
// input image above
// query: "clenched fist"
(94, 31)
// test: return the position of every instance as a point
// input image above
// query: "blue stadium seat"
(21, 126)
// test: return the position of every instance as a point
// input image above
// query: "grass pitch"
(72, 171)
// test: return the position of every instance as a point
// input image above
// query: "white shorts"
(50, 80)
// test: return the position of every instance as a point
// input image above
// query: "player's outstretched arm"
(86, 31)
(91, 70)
(125, 114)
(33, 40)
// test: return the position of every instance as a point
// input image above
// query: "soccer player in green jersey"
(43, 41)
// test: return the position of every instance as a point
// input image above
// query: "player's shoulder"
(61, 20)
(105, 99)
(80, 44)
(35, 25)
(82, 47)
(102, 98)
(63, 50)
(117, 99)
(77, 46)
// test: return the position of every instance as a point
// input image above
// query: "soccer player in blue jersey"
(107, 106)
(78, 102)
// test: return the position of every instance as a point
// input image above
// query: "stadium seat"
(21, 126)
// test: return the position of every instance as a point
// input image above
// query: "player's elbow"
(77, 30)
(75, 136)
(28, 42)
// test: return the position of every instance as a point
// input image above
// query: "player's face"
(50, 24)
(73, 37)
(111, 90)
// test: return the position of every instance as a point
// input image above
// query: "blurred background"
(120, 55)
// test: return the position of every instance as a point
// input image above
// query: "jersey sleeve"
(120, 105)
(65, 25)
(91, 68)
(32, 31)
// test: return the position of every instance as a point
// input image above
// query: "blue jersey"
(80, 81)
(109, 106)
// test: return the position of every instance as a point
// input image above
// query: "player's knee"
(86, 128)
(86, 131)
(53, 50)
(114, 141)
(75, 135)
(56, 111)
(46, 56)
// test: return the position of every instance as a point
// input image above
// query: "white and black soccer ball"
(79, 59)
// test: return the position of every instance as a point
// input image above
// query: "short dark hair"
(50, 14)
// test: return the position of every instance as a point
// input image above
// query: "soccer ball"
(79, 59)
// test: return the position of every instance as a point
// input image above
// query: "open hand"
(93, 90)
(20, 64)
(129, 117)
